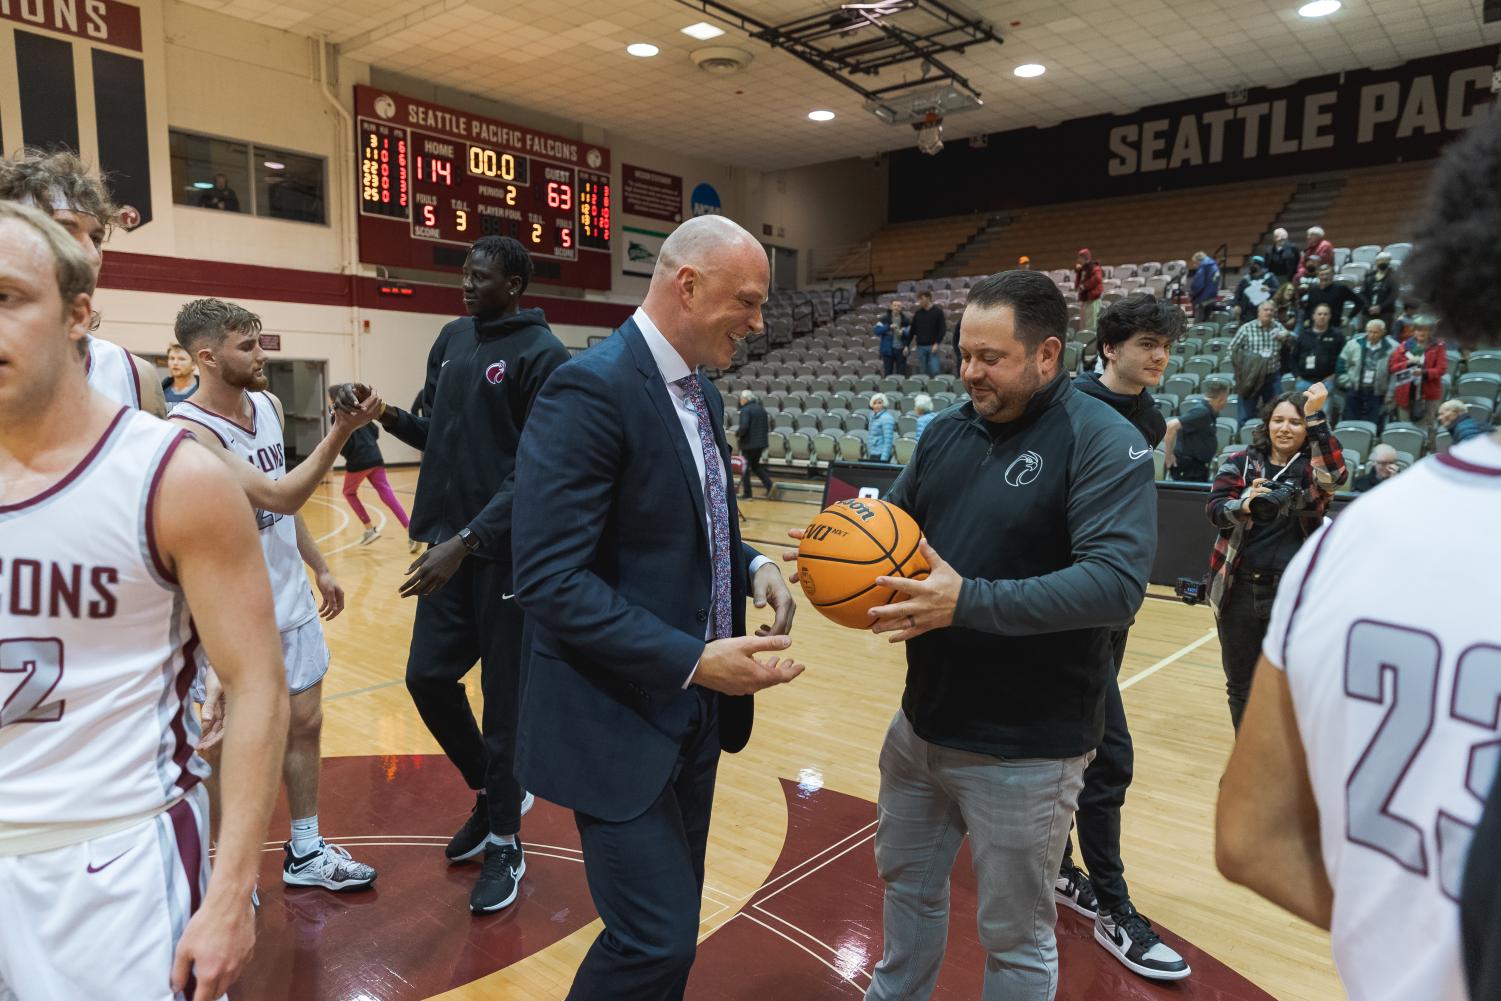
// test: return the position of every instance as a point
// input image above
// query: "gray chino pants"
(1016, 813)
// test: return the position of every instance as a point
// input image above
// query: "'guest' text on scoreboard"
(432, 180)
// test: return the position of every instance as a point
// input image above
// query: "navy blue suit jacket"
(612, 565)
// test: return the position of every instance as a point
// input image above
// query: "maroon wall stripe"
(187, 277)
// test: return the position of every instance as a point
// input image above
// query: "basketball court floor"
(792, 905)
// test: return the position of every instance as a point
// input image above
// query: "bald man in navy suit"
(633, 577)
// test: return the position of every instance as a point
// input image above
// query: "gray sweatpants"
(1016, 813)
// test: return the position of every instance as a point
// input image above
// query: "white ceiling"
(568, 59)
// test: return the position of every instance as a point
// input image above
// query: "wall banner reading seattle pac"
(1360, 118)
(640, 252)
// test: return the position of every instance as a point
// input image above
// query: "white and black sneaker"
(500, 880)
(328, 866)
(1074, 890)
(1130, 938)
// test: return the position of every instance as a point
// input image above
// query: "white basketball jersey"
(261, 445)
(96, 650)
(112, 371)
(1386, 627)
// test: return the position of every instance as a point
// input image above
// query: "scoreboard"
(433, 179)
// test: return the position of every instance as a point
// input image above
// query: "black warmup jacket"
(1051, 520)
(1138, 409)
(482, 376)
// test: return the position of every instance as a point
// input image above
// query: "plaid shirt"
(1320, 475)
(1256, 338)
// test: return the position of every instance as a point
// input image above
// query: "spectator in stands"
(183, 380)
(1089, 283)
(1404, 320)
(1455, 416)
(1192, 439)
(1381, 466)
(882, 437)
(1286, 301)
(1316, 351)
(927, 333)
(1024, 263)
(1421, 361)
(1282, 257)
(1362, 373)
(922, 406)
(751, 439)
(1380, 289)
(1256, 286)
(1318, 251)
(1205, 287)
(1262, 524)
(894, 328)
(1333, 294)
(1135, 340)
(221, 196)
(1256, 360)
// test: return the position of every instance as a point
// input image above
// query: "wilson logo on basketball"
(496, 373)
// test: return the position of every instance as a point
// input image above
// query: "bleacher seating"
(1376, 207)
(897, 251)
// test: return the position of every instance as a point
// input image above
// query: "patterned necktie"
(719, 510)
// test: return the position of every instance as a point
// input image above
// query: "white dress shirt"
(671, 367)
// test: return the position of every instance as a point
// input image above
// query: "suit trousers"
(1105, 783)
(472, 618)
(646, 876)
(753, 464)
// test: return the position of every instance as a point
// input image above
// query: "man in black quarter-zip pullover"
(1036, 504)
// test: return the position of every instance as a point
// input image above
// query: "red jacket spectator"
(1435, 363)
(1319, 251)
(1089, 279)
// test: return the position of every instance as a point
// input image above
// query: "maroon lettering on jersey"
(270, 459)
(25, 587)
(104, 604)
(56, 590)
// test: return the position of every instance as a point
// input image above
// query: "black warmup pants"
(753, 465)
(1098, 818)
(1242, 623)
(646, 876)
(472, 619)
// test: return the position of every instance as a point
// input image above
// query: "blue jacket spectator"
(922, 406)
(882, 438)
(894, 328)
(1455, 416)
(1205, 285)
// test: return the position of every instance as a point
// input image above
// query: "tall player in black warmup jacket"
(1136, 335)
(483, 373)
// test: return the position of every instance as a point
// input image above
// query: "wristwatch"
(469, 539)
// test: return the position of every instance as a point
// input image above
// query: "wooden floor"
(825, 730)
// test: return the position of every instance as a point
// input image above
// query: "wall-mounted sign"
(641, 249)
(105, 21)
(706, 200)
(651, 193)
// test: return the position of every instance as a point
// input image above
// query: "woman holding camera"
(1265, 501)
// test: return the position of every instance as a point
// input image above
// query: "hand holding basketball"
(728, 666)
(929, 602)
(842, 552)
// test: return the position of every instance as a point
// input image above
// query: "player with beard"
(58, 184)
(120, 550)
(483, 372)
(1040, 499)
(234, 417)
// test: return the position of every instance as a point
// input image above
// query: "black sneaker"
(500, 880)
(471, 838)
(1130, 938)
(1074, 890)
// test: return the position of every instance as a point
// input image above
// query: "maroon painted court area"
(812, 932)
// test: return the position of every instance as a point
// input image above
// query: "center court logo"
(1024, 469)
(496, 373)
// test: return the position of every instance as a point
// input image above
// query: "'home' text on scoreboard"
(433, 180)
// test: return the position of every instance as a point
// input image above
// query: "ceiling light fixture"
(1319, 8)
(1028, 70)
(642, 50)
(273, 165)
(821, 115)
(703, 31)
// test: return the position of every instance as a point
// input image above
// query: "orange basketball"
(847, 547)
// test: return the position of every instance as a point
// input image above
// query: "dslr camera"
(1192, 590)
(1275, 502)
